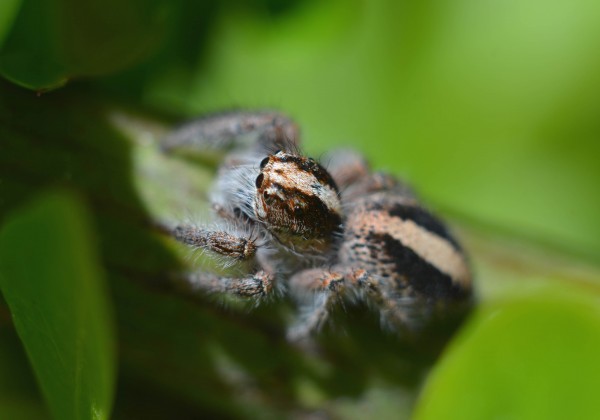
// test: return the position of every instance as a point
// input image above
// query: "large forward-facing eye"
(259, 180)
(264, 162)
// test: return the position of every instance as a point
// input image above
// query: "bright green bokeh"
(534, 357)
(51, 280)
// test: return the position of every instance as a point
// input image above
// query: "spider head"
(298, 201)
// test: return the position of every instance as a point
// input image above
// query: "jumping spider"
(322, 232)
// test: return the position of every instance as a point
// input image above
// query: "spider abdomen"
(396, 240)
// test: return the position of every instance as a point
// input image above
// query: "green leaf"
(8, 11)
(51, 280)
(52, 41)
(535, 357)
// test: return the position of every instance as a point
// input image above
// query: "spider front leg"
(258, 130)
(321, 289)
(396, 311)
(257, 285)
(232, 247)
(318, 291)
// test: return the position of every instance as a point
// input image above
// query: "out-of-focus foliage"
(500, 365)
(59, 306)
(48, 42)
(489, 108)
(8, 10)
(19, 396)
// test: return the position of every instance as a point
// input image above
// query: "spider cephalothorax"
(348, 229)
(298, 201)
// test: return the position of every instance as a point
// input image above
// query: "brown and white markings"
(330, 232)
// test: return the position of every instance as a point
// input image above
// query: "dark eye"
(264, 162)
(259, 180)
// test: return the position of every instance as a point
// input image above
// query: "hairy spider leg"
(263, 131)
(319, 290)
(257, 285)
(237, 247)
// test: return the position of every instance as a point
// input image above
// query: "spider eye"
(259, 180)
(264, 162)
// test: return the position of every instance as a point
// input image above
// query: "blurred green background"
(489, 108)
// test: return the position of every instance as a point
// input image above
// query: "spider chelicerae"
(324, 232)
